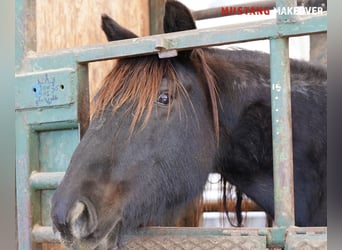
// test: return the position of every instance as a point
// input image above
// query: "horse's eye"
(164, 98)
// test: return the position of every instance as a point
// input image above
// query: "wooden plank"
(65, 24)
(156, 16)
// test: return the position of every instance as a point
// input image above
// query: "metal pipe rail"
(255, 238)
(44, 181)
(227, 34)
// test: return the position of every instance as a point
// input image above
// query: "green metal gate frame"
(52, 101)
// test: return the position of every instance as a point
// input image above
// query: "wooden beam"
(156, 16)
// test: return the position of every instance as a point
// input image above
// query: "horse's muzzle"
(77, 221)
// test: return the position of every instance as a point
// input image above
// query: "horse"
(162, 125)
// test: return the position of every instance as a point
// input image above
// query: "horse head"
(149, 146)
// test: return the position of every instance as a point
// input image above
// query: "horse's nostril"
(60, 224)
(82, 219)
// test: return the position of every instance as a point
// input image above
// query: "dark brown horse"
(162, 125)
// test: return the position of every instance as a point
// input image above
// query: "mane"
(136, 81)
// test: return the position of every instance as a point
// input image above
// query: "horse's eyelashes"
(164, 98)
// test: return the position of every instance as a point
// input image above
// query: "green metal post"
(24, 33)
(282, 125)
(52, 108)
(25, 29)
(284, 4)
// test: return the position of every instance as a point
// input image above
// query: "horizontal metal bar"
(44, 234)
(192, 231)
(46, 180)
(192, 39)
(306, 238)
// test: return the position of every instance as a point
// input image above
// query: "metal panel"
(178, 238)
(47, 132)
(195, 238)
(33, 205)
(55, 151)
(259, 238)
(179, 242)
(46, 88)
(56, 148)
(309, 239)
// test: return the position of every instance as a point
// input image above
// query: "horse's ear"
(114, 31)
(177, 17)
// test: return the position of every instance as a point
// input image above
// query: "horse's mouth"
(109, 242)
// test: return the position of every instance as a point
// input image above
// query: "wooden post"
(156, 16)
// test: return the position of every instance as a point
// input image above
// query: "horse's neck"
(242, 79)
(245, 154)
(244, 92)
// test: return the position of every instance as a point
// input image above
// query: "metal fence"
(52, 101)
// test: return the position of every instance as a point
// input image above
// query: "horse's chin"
(113, 238)
(109, 242)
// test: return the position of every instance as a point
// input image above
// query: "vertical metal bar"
(19, 32)
(286, 17)
(24, 11)
(282, 133)
(24, 157)
(25, 39)
(25, 33)
(282, 125)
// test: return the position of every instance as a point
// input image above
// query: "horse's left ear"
(177, 17)
(115, 31)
